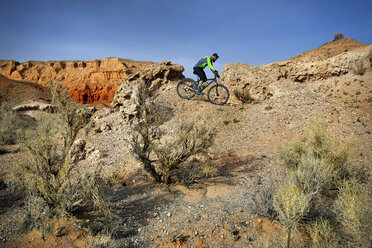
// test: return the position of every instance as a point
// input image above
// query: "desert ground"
(231, 208)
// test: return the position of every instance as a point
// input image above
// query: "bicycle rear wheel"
(218, 94)
(186, 88)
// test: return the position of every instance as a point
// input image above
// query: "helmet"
(216, 55)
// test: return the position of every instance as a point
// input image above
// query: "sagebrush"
(323, 234)
(316, 154)
(354, 207)
(291, 205)
(318, 167)
(8, 120)
(160, 154)
(47, 176)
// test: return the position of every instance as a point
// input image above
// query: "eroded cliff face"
(348, 56)
(86, 81)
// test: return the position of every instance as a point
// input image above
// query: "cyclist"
(199, 69)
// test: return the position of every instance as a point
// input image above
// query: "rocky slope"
(333, 59)
(15, 92)
(87, 81)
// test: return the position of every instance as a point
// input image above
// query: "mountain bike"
(218, 94)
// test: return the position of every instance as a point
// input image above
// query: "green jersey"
(204, 62)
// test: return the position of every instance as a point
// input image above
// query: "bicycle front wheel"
(218, 94)
(186, 88)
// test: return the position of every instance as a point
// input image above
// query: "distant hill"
(330, 49)
(14, 91)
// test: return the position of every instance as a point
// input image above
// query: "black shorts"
(200, 72)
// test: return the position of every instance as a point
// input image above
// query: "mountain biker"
(199, 69)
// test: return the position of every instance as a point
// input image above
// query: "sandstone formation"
(87, 81)
(349, 57)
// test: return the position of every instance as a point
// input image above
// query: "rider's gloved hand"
(216, 74)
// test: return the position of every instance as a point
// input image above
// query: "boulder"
(78, 151)
(155, 76)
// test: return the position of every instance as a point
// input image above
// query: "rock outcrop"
(256, 79)
(86, 81)
(155, 76)
(34, 105)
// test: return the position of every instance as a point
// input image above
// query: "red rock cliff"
(87, 81)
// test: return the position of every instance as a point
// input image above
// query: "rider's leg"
(200, 72)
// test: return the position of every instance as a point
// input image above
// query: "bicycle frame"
(209, 82)
(187, 88)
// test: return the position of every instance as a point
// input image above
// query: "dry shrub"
(192, 138)
(338, 36)
(317, 138)
(243, 95)
(198, 172)
(158, 154)
(208, 169)
(323, 235)
(313, 176)
(8, 120)
(318, 157)
(291, 152)
(278, 240)
(263, 199)
(317, 165)
(101, 240)
(291, 204)
(354, 208)
(47, 176)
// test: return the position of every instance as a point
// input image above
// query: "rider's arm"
(210, 64)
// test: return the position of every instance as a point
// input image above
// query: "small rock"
(234, 231)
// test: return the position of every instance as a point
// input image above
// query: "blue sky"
(253, 32)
